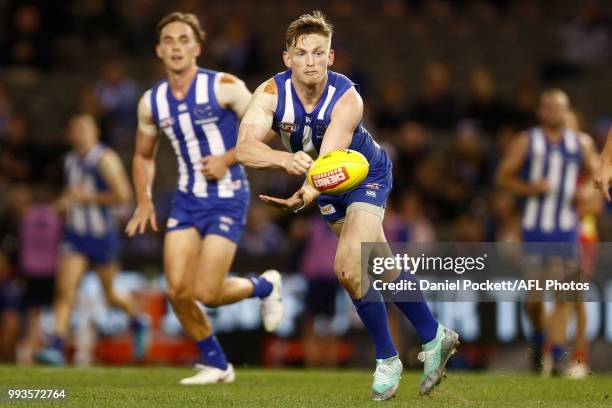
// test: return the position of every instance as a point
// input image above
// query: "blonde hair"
(188, 18)
(314, 23)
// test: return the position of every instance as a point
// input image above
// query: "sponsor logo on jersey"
(172, 222)
(166, 122)
(372, 186)
(330, 179)
(205, 121)
(182, 107)
(224, 227)
(370, 193)
(327, 209)
(288, 127)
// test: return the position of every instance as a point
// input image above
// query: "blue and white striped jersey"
(552, 216)
(81, 173)
(300, 130)
(197, 126)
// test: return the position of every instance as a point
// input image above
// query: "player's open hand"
(297, 163)
(214, 167)
(603, 180)
(300, 199)
(143, 215)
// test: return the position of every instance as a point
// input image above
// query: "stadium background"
(446, 84)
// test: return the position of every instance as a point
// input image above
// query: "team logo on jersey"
(370, 193)
(327, 209)
(166, 122)
(288, 127)
(172, 222)
(202, 111)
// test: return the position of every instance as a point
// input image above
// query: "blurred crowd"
(444, 109)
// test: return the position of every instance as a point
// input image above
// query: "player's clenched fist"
(297, 163)
(143, 215)
(603, 179)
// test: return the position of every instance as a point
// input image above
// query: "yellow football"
(338, 172)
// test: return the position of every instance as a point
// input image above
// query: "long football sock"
(538, 340)
(417, 311)
(212, 353)
(373, 314)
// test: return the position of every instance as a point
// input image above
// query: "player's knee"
(179, 296)
(348, 278)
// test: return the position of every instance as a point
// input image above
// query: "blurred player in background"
(590, 205)
(95, 181)
(198, 110)
(543, 166)
(317, 111)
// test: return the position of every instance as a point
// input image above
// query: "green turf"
(262, 388)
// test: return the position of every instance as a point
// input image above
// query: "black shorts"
(10, 296)
(321, 297)
(38, 292)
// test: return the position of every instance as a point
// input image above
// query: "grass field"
(262, 388)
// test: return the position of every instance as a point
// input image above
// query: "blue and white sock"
(261, 287)
(373, 314)
(212, 353)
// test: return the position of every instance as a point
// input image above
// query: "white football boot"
(272, 305)
(210, 375)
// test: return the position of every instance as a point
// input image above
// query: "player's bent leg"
(181, 258)
(181, 254)
(138, 324)
(439, 342)
(72, 266)
(535, 313)
(579, 366)
(214, 288)
(362, 226)
(555, 363)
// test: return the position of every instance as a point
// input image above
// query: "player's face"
(553, 110)
(82, 132)
(309, 58)
(178, 47)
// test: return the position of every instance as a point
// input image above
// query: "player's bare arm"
(143, 170)
(590, 157)
(252, 149)
(603, 175)
(508, 172)
(345, 118)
